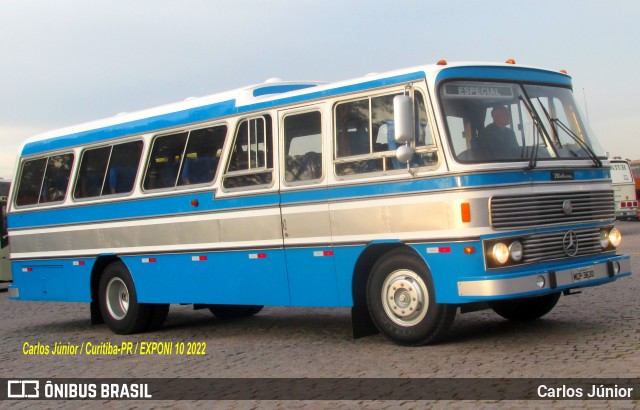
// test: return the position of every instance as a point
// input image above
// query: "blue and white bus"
(407, 196)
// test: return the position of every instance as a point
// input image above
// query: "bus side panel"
(312, 277)
(345, 258)
(63, 280)
(254, 277)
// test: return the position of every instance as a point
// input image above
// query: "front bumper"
(532, 283)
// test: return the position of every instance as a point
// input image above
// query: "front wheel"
(525, 309)
(402, 300)
(119, 302)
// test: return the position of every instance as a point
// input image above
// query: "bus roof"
(270, 94)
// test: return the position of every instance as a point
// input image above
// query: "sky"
(66, 62)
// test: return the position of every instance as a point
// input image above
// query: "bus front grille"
(522, 211)
(550, 246)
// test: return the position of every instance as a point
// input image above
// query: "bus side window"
(123, 167)
(424, 138)
(251, 161)
(201, 159)
(30, 181)
(56, 178)
(303, 147)
(44, 180)
(164, 161)
(93, 165)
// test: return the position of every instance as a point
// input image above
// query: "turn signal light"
(465, 211)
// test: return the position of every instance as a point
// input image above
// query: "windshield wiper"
(533, 159)
(565, 128)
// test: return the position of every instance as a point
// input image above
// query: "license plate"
(582, 274)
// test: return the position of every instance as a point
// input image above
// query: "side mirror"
(403, 119)
(404, 153)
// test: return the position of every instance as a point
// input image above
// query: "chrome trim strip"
(527, 284)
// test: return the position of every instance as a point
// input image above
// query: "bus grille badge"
(567, 207)
(570, 243)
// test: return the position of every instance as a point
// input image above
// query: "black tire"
(402, 300)
(225, 312)
(525, 309)
(119, 302)
(159, 313)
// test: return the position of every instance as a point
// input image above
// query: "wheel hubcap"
(405, 298)
(117, 298)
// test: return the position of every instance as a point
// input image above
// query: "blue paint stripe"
(505, 73)
(180, 204)
(198, 114)
(277, 89)
(159, 122)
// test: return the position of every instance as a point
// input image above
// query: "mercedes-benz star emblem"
(567, 207)
(570, 243)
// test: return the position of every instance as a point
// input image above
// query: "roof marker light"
(510, 61)
(442, 62)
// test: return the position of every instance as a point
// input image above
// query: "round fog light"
(604, 239)
(615, 237)
(500, 253)
(515, 250)
(540, 281)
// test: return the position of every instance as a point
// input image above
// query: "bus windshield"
(511, 122)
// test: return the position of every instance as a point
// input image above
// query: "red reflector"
(262, 255)
(27, 269)
(444, 249)
(327, 253)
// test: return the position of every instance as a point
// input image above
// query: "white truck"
(624, 190)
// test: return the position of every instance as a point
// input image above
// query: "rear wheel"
(402, 301)
(525, 309)
(234, 311)
(119, 302)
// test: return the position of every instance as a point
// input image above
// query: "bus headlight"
(500, 253)
(615, 237)
(515, 251)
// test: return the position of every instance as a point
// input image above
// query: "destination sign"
(478, 91)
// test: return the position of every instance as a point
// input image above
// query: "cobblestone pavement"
(592, 334)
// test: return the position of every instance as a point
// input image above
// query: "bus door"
(304, 205)
(253, 272)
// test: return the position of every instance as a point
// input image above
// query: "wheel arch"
(361, 322)
(96, 272)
